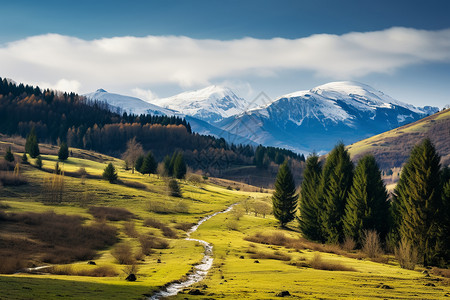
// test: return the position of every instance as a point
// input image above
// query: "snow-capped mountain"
(319, 118)
(211, 104)
(128, 104)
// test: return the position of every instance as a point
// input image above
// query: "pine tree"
(149, 165)
(166, 162)
(110, 173)
(39, 162)
(63, 152)
(284, 198)
(31, 144)
(24, 158)
(139, 163)
(174, 188)
(418, 202)
(367, 206)
(9, 156)
(335, 184)
(179, 166)
(309, 207)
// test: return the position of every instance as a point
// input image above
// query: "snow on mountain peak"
(212, 103)
(101, 91)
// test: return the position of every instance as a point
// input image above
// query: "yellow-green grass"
(376, 141)
(235, 278)
(80, 193)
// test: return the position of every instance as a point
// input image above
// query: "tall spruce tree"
(139, 163)
(284, 198)
(179, 166)
(31, 144)
(367, 206)
(418, 202)
(63, 152)
(309, 206)
(335, 184)
(149, 165)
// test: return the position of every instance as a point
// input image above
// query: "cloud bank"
(74, 64)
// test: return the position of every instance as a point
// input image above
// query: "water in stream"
(200, 270)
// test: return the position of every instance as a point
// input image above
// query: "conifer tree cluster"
(175, 166)
(338, 201)
(421, 205)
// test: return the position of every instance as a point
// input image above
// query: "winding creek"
(200, 270)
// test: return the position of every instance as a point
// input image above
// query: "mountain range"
(303, 121)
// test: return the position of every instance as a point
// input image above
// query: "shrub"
(101, 271)
(184, 226)
(123, 254)
(151, 222)
(9, 156)
(39, 162)
(12, 179)
(349, 244)
(111, 213)
(24, 158)
(277, 255)
(149, 242)
(371, 244)
(406, 254)
(441, 272)
(232, 224)
(317, 263)
(130, 229)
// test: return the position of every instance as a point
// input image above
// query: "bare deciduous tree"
(134, 150)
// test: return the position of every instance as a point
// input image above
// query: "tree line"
(338, 201)
(72, 119)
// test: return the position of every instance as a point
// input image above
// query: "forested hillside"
(70, 118)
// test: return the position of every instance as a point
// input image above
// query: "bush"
(184, 226)
(111, 213)
(12, 179)
(317, 263)
(149, 242)
(63, 152)
(123, 254)
(349, 244)
(9, 156)
(371, 244)
(406, 254)
(277, 255)
(130, 229)
(39, 162)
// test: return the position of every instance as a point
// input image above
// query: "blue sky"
(406, 57)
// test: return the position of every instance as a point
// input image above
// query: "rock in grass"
(283, 294)
(91, 263)
(131, 277)
(195, 292)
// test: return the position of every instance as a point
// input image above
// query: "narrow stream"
(200, 270)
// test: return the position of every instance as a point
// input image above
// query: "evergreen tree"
(309, 207)
(63, 152)
(24, 158)
(445, 217)
(284, 198)
(39, 162)
(149, 165)
(110, 173)
(166, 162)
(139, 163)
(179, 166)
(174, 188)
(418, 202)
(367, 206)
(335, 184)
(31, 144)
(9, 156)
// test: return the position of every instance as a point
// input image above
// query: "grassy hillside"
(253, 258)
(393, 147)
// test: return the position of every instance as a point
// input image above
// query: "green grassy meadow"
(234, 275)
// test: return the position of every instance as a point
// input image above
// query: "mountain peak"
(101, 91)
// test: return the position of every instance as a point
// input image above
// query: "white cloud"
(137, 61)
(146, 95)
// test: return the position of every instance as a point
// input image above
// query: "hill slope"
(393, 147)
